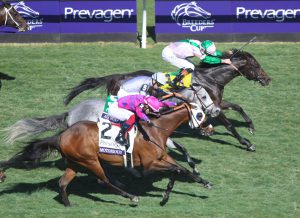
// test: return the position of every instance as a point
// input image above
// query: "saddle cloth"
(184, 83)
(109, 128)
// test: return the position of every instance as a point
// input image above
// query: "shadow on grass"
(86, 186)
(186, 131)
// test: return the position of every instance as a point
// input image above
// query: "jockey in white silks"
(142, 84)
(177, 53)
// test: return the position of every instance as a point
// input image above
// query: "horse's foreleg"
(223, 119)
(228, 105)
(64, 181)
(168, 164)
(167, 192)
(96, 168)
(172, 144)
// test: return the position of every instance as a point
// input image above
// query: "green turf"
(261, 184)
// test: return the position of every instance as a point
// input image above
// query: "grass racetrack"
(261, 184)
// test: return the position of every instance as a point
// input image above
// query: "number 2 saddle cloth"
(109, 128)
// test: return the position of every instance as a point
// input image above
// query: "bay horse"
(212, 78)
(10, 17)
(79, 145)
(92, 109)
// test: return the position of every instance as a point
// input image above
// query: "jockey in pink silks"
(131, 106)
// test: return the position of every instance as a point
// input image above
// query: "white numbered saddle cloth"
(109, 128)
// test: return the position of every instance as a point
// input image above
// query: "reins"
(196, 95)
(184, 105)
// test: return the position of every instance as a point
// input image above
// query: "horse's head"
(188, 9)
(249, 67)
(10, 17)
(198, 95)
(197, 116)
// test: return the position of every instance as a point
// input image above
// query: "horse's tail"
(89, 83)
(33, 126)
(6, 77)
(93, 83)
(33, 152)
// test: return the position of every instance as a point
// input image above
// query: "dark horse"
(79, 145)
(4, 76)
(214, 79)
(11, 18)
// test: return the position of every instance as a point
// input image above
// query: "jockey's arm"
(173, 94)
(140, 113)
(209, 59)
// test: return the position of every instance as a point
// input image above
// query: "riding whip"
(247, 43)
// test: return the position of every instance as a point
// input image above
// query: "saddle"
(184, 83)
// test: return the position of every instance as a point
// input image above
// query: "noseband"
(7, 13)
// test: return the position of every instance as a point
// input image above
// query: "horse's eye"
(204, 97)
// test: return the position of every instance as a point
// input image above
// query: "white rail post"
(144, 27)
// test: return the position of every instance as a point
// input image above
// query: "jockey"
(135, 105)
(177, 53)
(142, 84)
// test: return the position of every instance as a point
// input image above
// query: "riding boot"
(121, 136)
(123, 141)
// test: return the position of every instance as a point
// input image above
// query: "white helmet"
(160, 78)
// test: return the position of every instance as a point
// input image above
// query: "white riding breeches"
(169, 56)
(120, 113)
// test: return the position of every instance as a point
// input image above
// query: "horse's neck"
(221, 75)
(170, 122)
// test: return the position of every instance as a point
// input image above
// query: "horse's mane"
(239, 54)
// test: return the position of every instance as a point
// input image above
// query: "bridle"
(255, 75)
(196, 95)
(7, 13)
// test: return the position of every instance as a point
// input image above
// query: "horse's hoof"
(251, 130)
(251, 148)
(134, 200)
(208, 185)
(164, 200)
(196, 172)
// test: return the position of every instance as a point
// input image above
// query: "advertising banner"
(76, 17)
(210, 16)
(98, 16)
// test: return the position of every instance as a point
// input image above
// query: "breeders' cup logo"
(31, 16)
(190, 15)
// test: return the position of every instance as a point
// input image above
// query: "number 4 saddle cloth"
(109, 128)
